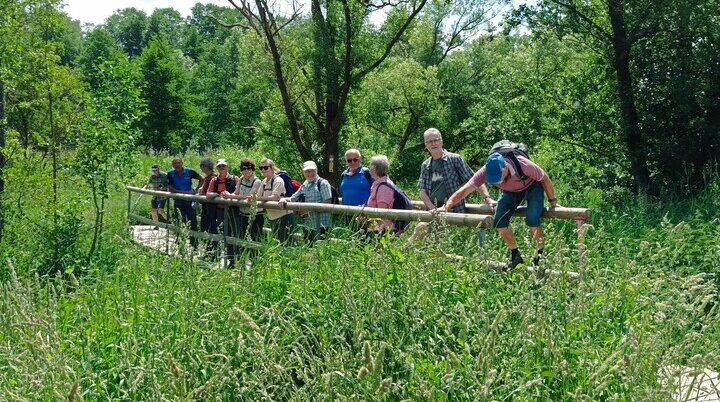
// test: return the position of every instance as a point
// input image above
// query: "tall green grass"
(370, 320)
(361, 320)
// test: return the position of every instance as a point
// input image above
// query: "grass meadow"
(353, 319)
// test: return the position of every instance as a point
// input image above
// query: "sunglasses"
(247, 168)
(352, 160)
(264, 167)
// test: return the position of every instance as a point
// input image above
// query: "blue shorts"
(155, 203)
(509, 201)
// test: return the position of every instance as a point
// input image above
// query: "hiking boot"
(514, 262)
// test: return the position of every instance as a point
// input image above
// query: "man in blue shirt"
(355, 181)
(180, 181)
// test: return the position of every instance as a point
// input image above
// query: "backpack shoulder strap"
(393, 188)
(366, 173)
(516, 165)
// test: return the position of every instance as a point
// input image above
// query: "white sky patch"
(97, 11)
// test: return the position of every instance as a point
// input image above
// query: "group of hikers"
(445, 181)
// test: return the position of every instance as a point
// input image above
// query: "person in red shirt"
(500, 172)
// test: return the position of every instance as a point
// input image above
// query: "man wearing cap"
(180, 181)
(159, 182)
(500, 172)
(314, 189)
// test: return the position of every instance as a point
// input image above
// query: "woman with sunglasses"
(241, 220)
(272, 188)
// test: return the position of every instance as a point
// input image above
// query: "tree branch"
(226, 24)
(594, 27)
(394, 40)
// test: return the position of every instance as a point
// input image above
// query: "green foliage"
(128, 27)
(376, 321)
(172, 117)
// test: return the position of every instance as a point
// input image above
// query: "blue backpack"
(291, 186)
(400, 201)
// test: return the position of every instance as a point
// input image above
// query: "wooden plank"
(539, 272)
(197, 234)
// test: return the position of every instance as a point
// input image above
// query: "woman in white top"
(242, 220)
(272, 188)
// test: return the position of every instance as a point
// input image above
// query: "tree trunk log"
(621, 45)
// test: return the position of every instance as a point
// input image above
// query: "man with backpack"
(314, 189)
(180, 181)
(355, 181)
(520, 180)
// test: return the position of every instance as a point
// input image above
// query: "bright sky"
(96, 11)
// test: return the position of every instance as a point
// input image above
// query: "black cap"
(154, 166)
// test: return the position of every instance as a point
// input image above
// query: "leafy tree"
(99, 48)
(128, 27)
(172, 118)
(106, 135)
(659, 58)
(331, 53)
(168, 23)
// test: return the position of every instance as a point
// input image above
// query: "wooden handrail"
(474, 220)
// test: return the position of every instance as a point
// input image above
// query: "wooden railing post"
(580, 229)
(225, 231)
(167, 229)
(129, 202)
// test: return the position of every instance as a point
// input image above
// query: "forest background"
(618, 99)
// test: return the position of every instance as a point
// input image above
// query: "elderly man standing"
(180, 181)
(314, 189)
(355, 181)
(441, 175)
(498, 170)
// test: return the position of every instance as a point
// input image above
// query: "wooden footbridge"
(477, 216)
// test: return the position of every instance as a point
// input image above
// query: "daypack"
(334, 198)
(511, 150)
(400, 201)
(229, 183)
(291, 185)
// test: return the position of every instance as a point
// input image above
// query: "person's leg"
(421, 229)
(229, 216)
(181, 217)
(214, 216)
(161, 210)
(507, 204)
(192, 217)
(283, 227)
(535, 202)
(154, 211)
(256, 227)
